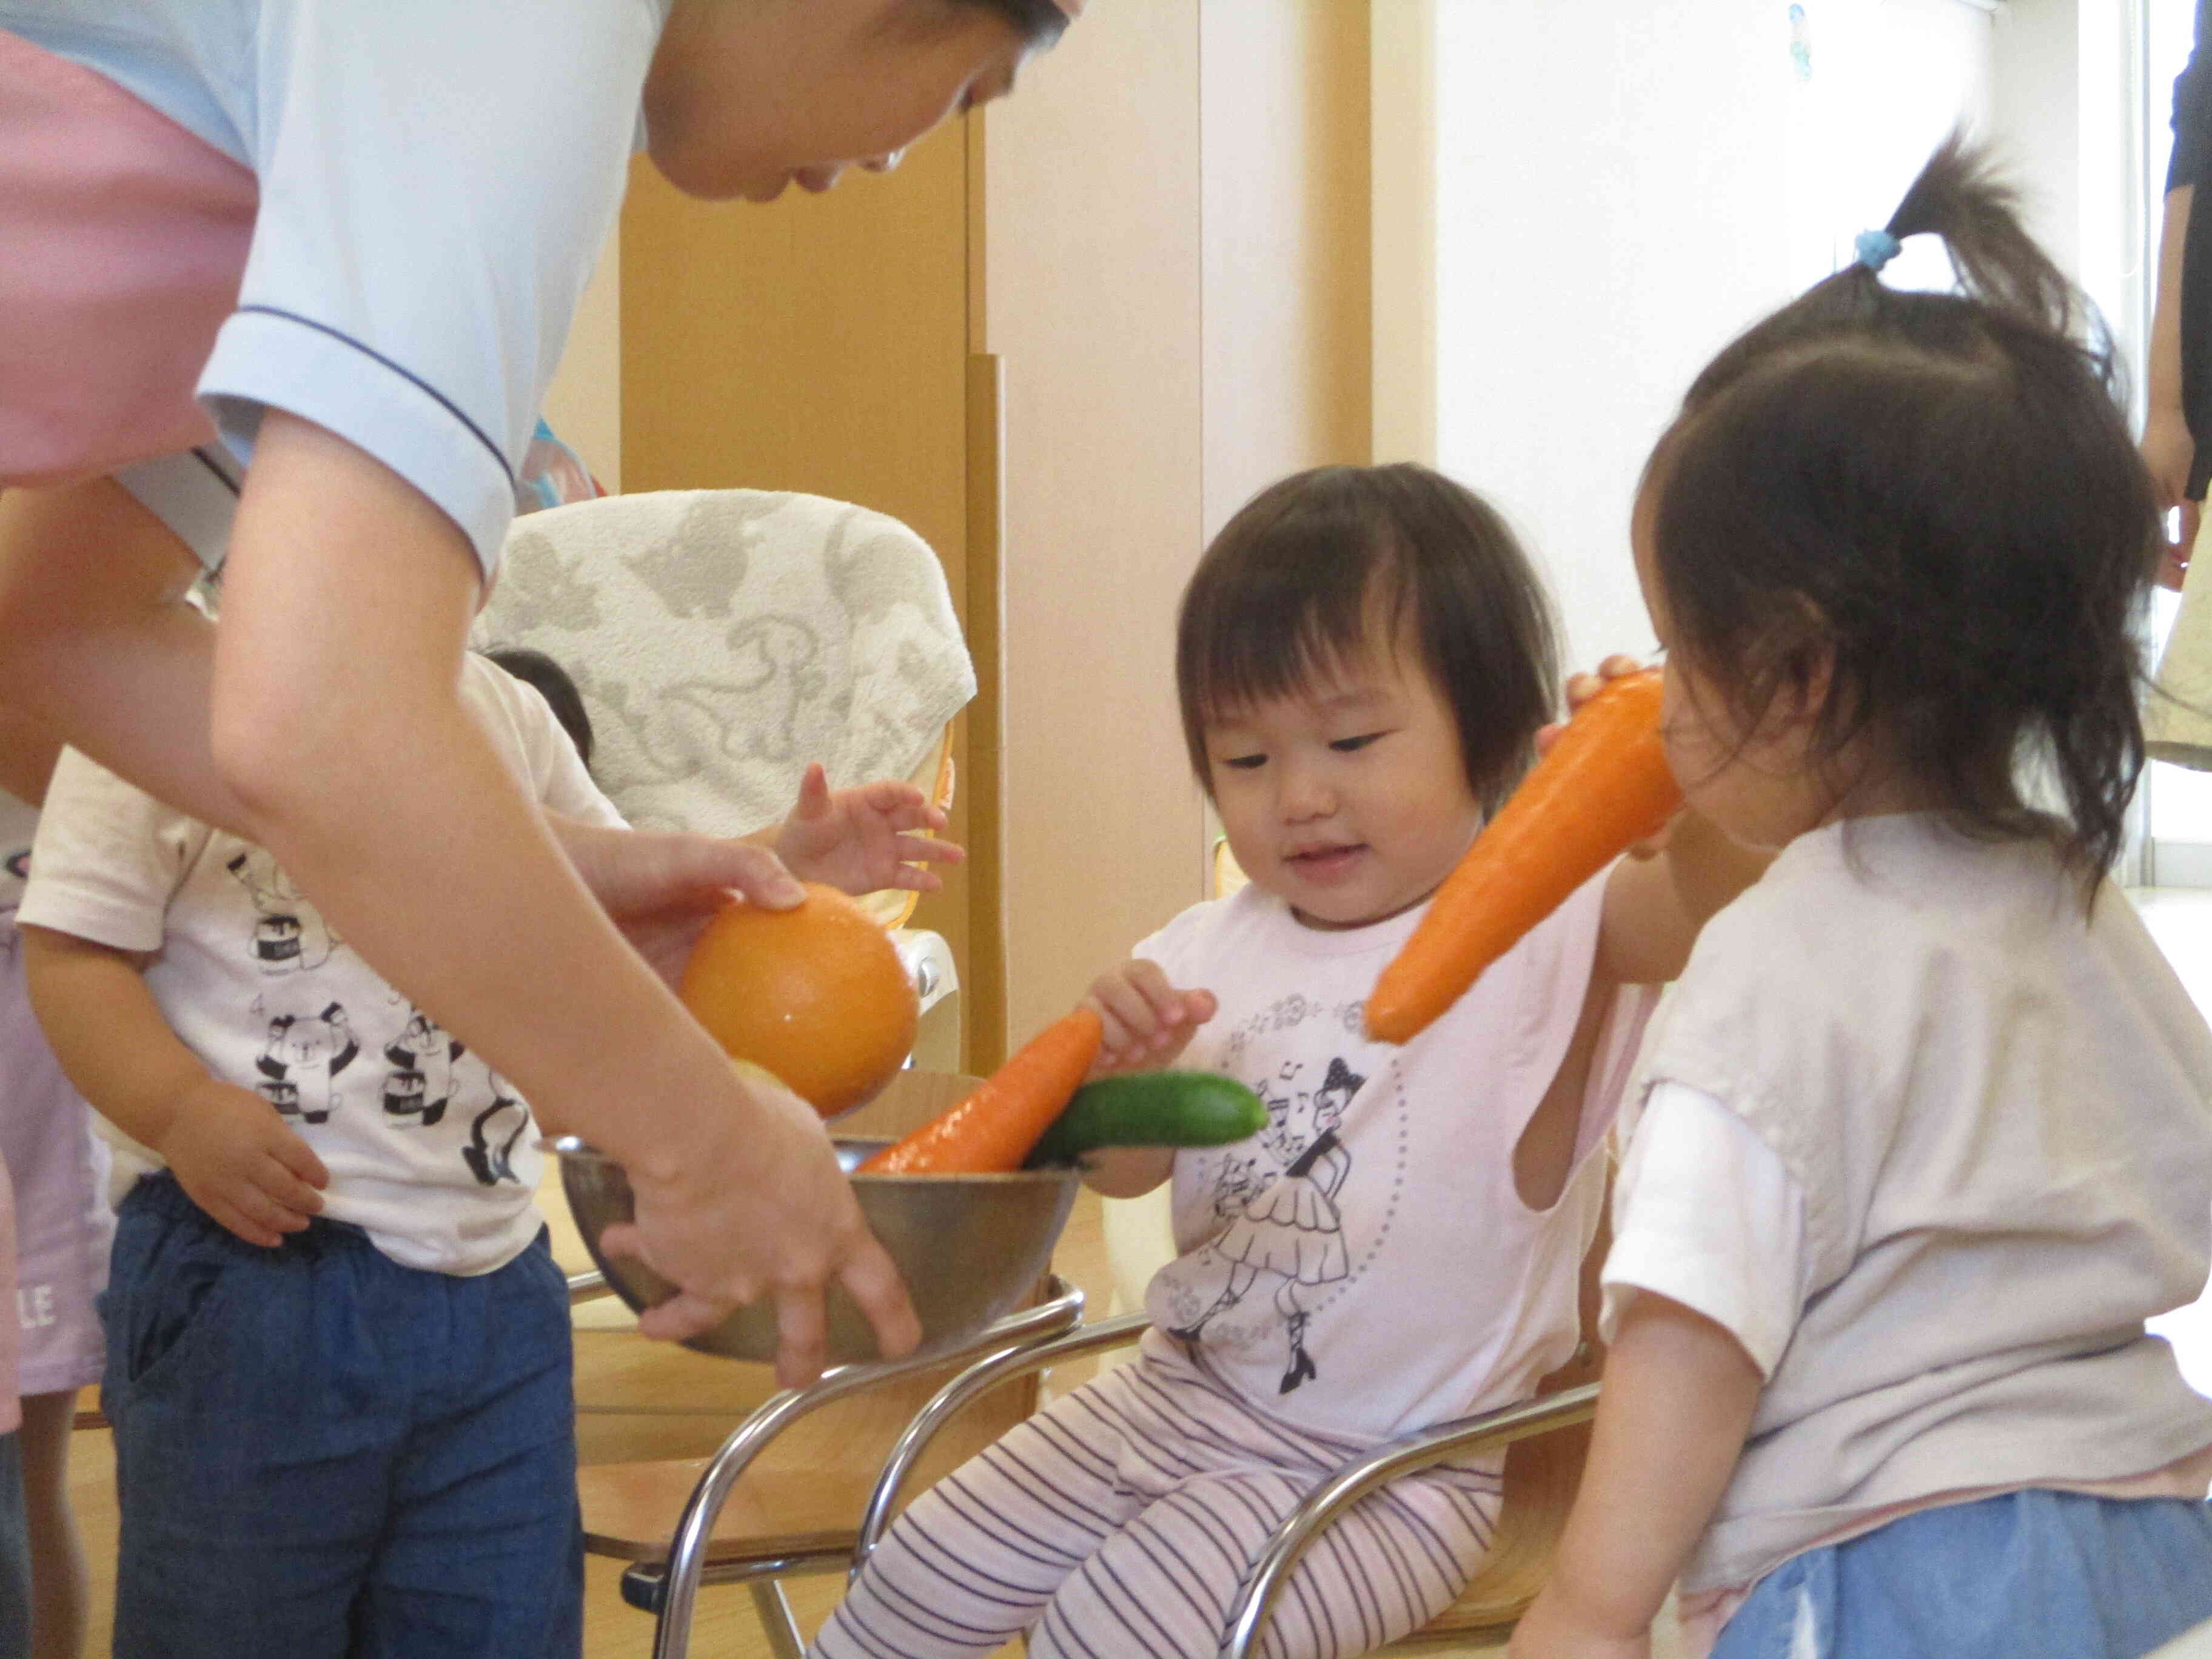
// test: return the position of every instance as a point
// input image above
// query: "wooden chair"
(782, 1494)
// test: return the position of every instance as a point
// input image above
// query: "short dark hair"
(1294, 582)
(1937, 494)
(535, 668)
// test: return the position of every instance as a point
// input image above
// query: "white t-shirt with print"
(1365, 1264)
(429, 1151)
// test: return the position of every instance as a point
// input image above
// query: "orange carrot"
(1601, 788)
(993, 1128)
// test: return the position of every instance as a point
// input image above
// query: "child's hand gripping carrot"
(992, 1130)
(1603, 787)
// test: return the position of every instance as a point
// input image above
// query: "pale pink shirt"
(1365, 1264)
(122, 239)
(11, 1408)
(1742, 1264)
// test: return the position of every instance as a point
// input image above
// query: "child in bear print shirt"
(338, 1349)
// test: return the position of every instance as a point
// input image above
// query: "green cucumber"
(1151, 1109)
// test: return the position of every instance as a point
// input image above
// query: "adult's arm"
(322, 721)
(2168, 448)
(2177, 391)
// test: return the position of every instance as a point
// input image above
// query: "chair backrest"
(724, 639)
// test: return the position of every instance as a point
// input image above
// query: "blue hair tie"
(1876, 248)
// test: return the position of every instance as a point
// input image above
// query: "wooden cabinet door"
(821, 343)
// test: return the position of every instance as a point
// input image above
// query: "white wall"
(2070, 118)
(1093, 299)
(1616, 199)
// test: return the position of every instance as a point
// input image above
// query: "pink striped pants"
(1124, 1520)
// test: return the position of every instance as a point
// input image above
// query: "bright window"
(2180, 799)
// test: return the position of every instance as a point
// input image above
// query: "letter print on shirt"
(1297, 1230)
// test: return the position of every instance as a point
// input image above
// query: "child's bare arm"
(862, 840)
(228, 1148)
(1655, 904)
(1676, 1406)
(1126, 1171)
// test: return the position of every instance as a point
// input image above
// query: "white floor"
(2180, 920)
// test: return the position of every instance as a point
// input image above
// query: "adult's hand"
(2168, 450)
(661, 887)
(792, 1218)
(797, 1229)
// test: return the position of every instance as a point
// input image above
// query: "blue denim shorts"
(321, 1453)
(2025, 1575)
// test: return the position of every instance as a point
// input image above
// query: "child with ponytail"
(1926, 1131)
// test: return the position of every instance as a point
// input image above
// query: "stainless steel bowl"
(969, 1248)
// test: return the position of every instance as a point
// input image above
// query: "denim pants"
(320, 1452)
(15, 1553)
(2024, 1575)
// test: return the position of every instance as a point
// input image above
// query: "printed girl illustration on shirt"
(300, 1064)
(289, 934)
(1285, 1222)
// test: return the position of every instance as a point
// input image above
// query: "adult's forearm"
(337, 719)
(492, 931)
(28, 749)
(2162, 380)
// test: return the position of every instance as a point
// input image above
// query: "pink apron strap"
(122, 238)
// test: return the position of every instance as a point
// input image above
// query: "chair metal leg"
(775, 1619)
(687, 1551)
(1356, 1479)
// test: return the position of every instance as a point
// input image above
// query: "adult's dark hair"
(1935, 496)
(1297, 583)
(535, 668)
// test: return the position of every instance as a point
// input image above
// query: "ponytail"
(1939, 493)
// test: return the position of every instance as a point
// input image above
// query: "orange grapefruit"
(816, 994)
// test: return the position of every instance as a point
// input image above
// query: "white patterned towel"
(723, 638)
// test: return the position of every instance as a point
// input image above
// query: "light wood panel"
(1093, 260)
(983, 997)
(820, 343)
(1284, 164)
